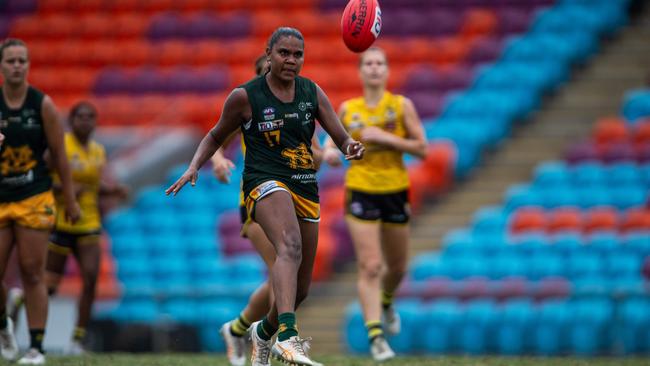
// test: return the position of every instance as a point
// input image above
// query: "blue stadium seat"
(550, 332)
(584, 264)
(551, 175)
(589, 326)
(639, 242)
(588, 174)
(636, 105)
(603, 242)
(122, 222)
(546, 265)
(521, 195)
(635, 325)
(182, 310)
(624, 265)
(246, 269)
(507, 266)
(354, 331)
(488, 220)
(561, 196)
(513, 329)
(442, 319)
(428, 265)
(567, 242)
(125, 245)
(625, 197)
(623, 174)
(151, 199)
(589, 197)
(409, 339)
(458, 242)
(477, 326)
(214, 313)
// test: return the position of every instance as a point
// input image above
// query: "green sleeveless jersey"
(23, 172)
(278, 138)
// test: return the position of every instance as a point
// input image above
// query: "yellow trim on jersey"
(306, 210)
(86, 164)
(382, 169)
(59, 249)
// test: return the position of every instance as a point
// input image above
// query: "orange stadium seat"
(601, 218)
(478, 22)
(40, 52)
(123, 6)
(439, 165)
(59, 26)
(206, 53)
(170, 53)
(264, 23)
(115, 110)
(27, 28)
(244, 51)
(86, 6)
(450, 50)
(566, 218)
(54, 6)
(610, 130)
(130, 26)
(329, 50)
(94, 25)
(641, 132)
(240, 74)
(133, 53)
(635, 219)
(528, 219)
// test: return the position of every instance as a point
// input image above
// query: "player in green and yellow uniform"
(30, 124)
(276, 114)
(377, 209)
(260, 301)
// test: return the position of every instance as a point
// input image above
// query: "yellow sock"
(374, 329)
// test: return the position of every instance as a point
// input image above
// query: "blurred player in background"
(377, 207)
(277, 114)
(30, 123)
(87, 159)
(260, 301)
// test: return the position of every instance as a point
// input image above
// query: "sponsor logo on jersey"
(264, 188)
(292, 115)
(270, 125)
(302, 106)
(248, 124)
(307, 119)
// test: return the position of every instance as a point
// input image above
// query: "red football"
(360, 24)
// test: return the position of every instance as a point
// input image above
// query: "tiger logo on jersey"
(299, 158)
(17, 160)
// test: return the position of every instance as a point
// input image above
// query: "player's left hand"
(354, 150)
(190, 175)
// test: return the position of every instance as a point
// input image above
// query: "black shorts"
(243, 214)
(64, 243)
(388, 208)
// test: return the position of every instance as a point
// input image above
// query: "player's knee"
(32, 272)
(291, 249)
(371, 269)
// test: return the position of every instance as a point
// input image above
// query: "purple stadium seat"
(511, 287)
(642, 153)
(617, 153)
(237, 26)
(438, 287)
(15, 7)
(581, 152)
(333, 5)
(423, 78)
(202, 26)
(146, 80)
(474, 287)
(485, 50)
(180, 80)
(229, 223)
(344, 251)
(235, 245)
(210, 80)
(167, 25)
(111, 80)
(513, 20)
(440, 22)
(331, 178)
(4, 26)
(428, 104)
(459, 77)
(552, 287)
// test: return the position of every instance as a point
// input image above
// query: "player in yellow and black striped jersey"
(276, 114)
(377, 208)
(29, 121)
(87, 159)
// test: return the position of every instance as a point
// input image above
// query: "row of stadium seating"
(589, 326)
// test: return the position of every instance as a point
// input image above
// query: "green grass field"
(208, 360)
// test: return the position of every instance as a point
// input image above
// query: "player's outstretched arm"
(230, 120)
(352, 149)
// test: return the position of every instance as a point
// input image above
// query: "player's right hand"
(72, 211)
(222, 170)
(190, 175)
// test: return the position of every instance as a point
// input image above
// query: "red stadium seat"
(565, 218)
(634, 219)
(246, 51)
(86, 6)
(600, 218)
(528, 219)
(207, 53)
(610, 130)
(170, 53)
(478, 22)
(47, 7)
(93, 26)
(450, 50)
(641, 132)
